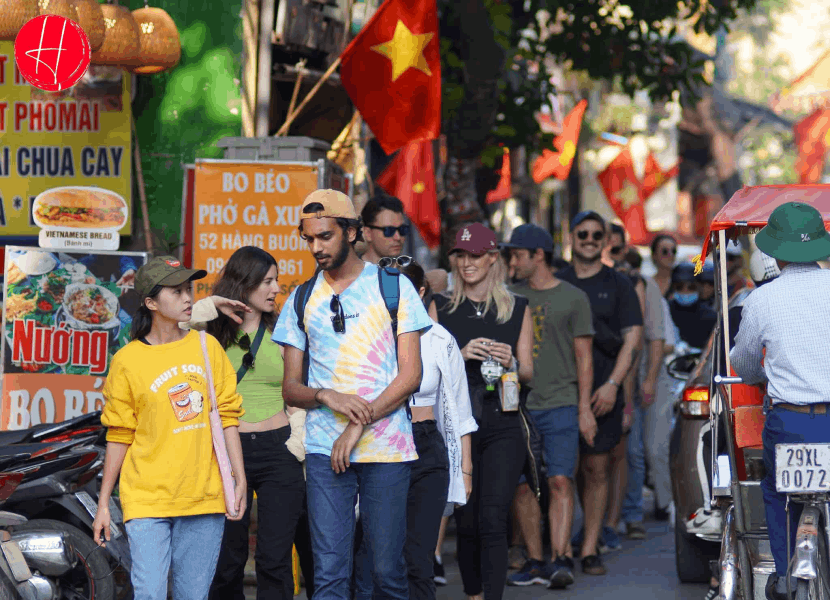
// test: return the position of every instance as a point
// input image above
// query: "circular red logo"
(52, 52)
(173, 263)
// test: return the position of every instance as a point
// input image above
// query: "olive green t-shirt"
(559, 315)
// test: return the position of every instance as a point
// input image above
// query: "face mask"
(686, 299)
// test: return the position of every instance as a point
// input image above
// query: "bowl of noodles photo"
(91, 307)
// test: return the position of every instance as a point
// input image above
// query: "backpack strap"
(300, 300)
(390, 289)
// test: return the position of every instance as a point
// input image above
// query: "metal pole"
(263, 87)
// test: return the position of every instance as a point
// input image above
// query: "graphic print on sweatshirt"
(187, 403)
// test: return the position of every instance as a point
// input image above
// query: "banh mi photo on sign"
(80, 207)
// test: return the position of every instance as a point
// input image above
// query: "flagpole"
(290, 118)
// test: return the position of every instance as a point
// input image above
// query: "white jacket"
(453, 413)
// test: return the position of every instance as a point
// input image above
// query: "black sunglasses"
(667, 251)
(248, 359)
(402, 261)
(583, 235)
(338, 321)
(389, 231)
(617, 249)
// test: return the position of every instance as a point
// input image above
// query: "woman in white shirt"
(442, 421)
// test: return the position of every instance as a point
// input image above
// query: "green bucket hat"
(795, 233)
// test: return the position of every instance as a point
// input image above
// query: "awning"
(749, 209)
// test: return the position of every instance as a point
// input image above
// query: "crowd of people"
(384, 400)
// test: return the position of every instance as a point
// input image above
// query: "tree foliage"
(498, 51)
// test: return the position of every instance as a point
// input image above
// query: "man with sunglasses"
(618, 327)
(358, 435)
(384, 228)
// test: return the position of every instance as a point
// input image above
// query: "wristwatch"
(612, 382)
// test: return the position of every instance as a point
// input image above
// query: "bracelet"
(372, 413)
(466, 473)
(316, 395)
(612, 382)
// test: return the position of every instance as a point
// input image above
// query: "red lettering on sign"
(54, 345)
(3, 59)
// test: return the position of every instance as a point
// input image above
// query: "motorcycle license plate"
(802, 468)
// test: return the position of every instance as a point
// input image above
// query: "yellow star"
(405, 49)
(629, 196)
(568, 153)
(419, 187)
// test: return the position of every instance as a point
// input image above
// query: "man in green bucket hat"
(784, 340)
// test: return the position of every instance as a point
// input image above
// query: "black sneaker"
(592, 565)
(438, 575)
(661, 514)
(532, 572)
(562, 573)
(713, 592)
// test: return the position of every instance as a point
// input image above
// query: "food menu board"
(240, 204)
(68, 143)
(65, 315)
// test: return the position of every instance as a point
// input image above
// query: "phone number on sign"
(286, 267)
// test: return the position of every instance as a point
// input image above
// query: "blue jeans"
(383, 489)
(782, 427)
(189, 544)
(632, 508)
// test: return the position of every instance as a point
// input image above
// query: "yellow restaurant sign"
(78, 137)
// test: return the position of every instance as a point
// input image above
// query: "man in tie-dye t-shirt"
(358, 433)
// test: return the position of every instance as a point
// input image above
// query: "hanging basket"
(91, 19)
(14, 14)
(121, 44)
(159, 40)
(62, 8)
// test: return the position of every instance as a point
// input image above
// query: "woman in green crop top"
(273, 471)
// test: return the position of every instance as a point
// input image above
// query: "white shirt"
(431, 375)
(790, 318)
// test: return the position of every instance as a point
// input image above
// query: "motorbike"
(32, 561)
(59, 465)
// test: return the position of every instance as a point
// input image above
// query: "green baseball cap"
(164, 270)
(795, 233)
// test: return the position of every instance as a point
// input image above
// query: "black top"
(465, 325)
(614, 306)
(695, 323)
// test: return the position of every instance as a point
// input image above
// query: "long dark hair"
(659, 238)
(245, 270)
(415, 273)
(143, 318)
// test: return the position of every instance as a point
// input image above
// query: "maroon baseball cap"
(476, 239)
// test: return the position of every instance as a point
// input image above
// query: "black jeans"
(277, 477)
(499, 453)
(302, 541)
(427, 497)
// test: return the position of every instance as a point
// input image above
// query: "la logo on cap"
(466, 235)
(805, 237)
(173, 263)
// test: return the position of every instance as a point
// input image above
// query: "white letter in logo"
(466, 235)
(805, 237)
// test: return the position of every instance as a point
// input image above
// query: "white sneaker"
(707, 522)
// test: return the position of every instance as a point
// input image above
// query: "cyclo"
(802, 470)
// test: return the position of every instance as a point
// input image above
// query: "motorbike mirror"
(682, 366)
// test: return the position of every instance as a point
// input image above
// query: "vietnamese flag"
(392, 73)
(654, 176)
(504, 189)
(558, 164)
(811, 139)
(411, 178)
(623, 190)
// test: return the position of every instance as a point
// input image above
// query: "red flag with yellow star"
(503, 190)
(811, 139)
(623, 190)
(655, 176)
(558, 164)
(411, 178)
(392, 73)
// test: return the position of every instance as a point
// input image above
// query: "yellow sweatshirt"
(157, 402)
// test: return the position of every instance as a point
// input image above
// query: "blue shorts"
(559, 429)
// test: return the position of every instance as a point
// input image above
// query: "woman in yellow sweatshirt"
(159, 440)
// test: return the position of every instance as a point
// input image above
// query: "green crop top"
(261, 388)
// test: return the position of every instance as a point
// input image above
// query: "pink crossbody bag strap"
(217, 431)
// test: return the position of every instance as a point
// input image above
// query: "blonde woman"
(487, 321)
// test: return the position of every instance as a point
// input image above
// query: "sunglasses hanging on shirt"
(400, 261)
(338, 320)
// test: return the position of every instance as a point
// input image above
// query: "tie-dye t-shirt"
(361, 361)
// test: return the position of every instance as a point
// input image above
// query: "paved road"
(642, 570)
